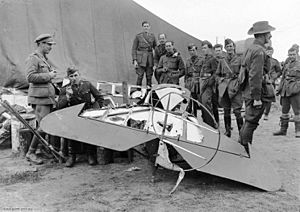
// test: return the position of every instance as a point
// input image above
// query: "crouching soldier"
(76, 92)
(289, 90)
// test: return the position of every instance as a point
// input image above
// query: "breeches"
(235, 102)
(287, 102)
(40, 112)
(140, 71)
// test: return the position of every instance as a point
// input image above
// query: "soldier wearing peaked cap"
(255, 84)
(41, 93)
(142, 54)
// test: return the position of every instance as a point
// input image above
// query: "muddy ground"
(52, 187)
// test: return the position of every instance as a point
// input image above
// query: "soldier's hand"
(69, 92)
(154, 67)
(257, 103)
(135, 64)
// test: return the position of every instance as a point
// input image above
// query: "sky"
(218, 19)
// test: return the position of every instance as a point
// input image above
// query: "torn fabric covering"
(163, 160)
(94, 35)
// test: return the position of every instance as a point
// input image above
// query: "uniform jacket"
(192, 73)
(174, 64)
(159, 51)
(81, 94)
(41, 90)
(256, 64)
(142, 49)
(227, 75)
(275, 69)
(207, 74)
(290, 82)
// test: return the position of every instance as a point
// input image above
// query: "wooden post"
(125, 93)
(19, 140)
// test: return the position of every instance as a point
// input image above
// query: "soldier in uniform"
(76, 92)
(159, 51)
(274, 74)
(207, 82)
(142, 54)
(171, 66)
(289, 90)
(229, 94)
(257, 90)
(41, 93)
(192, 71)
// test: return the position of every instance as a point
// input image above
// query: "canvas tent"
(95, 35)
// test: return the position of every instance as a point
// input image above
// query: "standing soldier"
(207, 82)
(192, 74)
(289, 90)
(171, 66)
(41, 93)
(142, 54)
(229, 94)
(76, 92)
(274, 74)
(159, 51)
(257, 91)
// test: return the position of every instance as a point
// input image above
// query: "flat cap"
(45, 38)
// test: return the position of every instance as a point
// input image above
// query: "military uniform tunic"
(289, 88)
(192, 74)
(175, 67)
(41, 90)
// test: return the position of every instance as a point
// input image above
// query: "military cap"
(260, 27)
(71, 70)
(45, 38)
(228, 41)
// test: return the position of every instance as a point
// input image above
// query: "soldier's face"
(268, 37)
(269, 53)
(74, 78)
(218, 51)
(146, 27)
(193, 51)
(292, 56)
(229, 48)
(46, 47)
(162, 39)
(205, 49)
(169, 46)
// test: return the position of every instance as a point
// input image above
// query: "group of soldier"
(225, 79)
(214, 78)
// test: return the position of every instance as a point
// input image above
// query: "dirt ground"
(52, 187)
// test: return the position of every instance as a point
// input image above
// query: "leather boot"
(297, 129)
(71, 161)
(239, 122)
(227, 120)
(91, 154)
(31, 156)
(284, 124)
